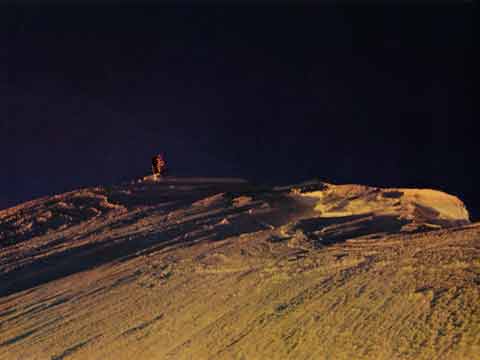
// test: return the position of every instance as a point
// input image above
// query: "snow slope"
(192, 268)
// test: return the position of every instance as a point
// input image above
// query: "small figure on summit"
(159, 165)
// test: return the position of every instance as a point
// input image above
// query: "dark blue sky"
(375, 95)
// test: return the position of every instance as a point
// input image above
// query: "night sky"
(361, 94)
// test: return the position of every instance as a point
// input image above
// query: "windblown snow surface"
(191, 268)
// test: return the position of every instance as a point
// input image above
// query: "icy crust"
(54, 213)
(418, 206)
